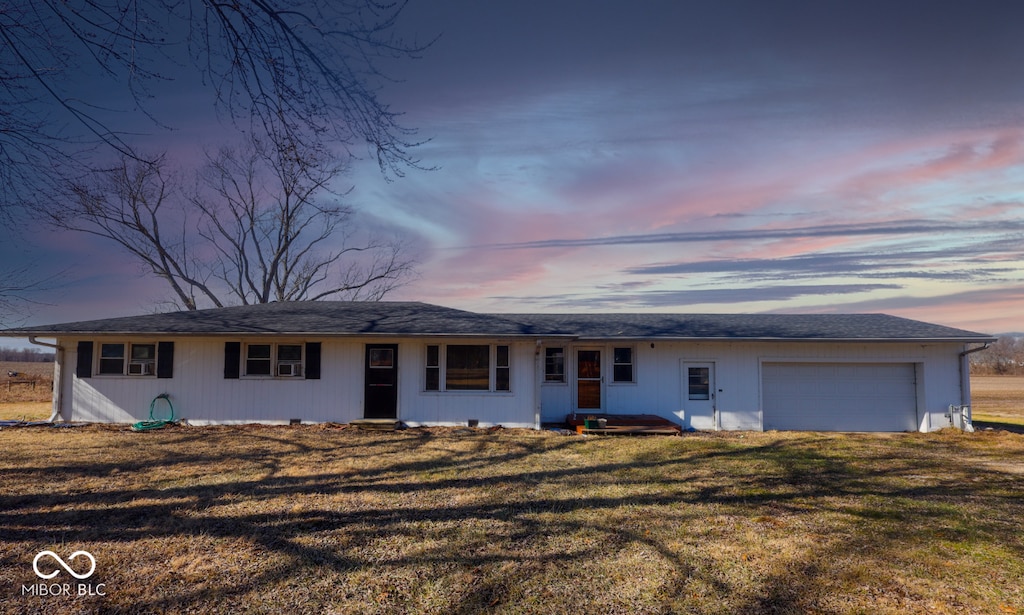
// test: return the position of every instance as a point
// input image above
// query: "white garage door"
(839, 396)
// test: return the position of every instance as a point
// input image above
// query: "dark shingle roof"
(300, 317)
(421, 319)
(744, 326)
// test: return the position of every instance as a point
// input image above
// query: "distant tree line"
(1004, 357)
(25, 355)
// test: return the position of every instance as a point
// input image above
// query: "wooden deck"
(625, 425)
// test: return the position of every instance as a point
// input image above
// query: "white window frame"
(149, 365)
(441, 368)
(563, 378)
(297, 367)
(631, 364)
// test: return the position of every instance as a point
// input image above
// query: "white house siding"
(738, 365)
(201, 394)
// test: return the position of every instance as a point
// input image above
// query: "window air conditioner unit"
(140, 368)
(289, 369)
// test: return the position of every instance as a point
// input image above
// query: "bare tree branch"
(295, 71)
(20, 287)
(128, 205)
(262, 224)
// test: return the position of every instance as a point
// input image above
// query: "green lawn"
(314, 519)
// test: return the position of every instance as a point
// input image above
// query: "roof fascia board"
(665, 338)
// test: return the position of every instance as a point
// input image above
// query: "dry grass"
(26, 411)
(998, 399)
(313, 519)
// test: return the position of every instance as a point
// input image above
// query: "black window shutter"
(165, 360)
(84, 368)
(312, 360)
(232, 359)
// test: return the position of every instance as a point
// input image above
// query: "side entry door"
(699, 393)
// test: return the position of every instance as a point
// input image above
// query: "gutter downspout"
(965, 377)
(58, 377)
(538, 378)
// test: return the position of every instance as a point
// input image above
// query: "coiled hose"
(155, 423)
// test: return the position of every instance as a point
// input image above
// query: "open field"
(998, 399)
(34, 383)
(317, 519)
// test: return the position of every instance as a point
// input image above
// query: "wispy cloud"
(687, 298)
(895, 227)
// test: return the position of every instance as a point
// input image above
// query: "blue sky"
(681, 157)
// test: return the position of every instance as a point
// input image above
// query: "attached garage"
(839, 396)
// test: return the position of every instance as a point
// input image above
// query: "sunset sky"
(680, 157)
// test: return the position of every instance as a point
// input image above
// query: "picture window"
(468, 367)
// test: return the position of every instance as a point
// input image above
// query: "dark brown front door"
(588, 379)
(381, 381)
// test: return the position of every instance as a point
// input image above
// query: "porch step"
(632, 430)
(375, 424)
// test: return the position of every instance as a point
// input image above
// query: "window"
(111, 358)
(289, 360)
(130, 359)
(699, 383)
(273, 360)
(143, 362)
(501, 369)
(468, 367)
(433, 368)
(622, 364)
(257, 360)
(554, 365)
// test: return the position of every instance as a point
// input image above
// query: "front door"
(381, 381)
(699, 394)
(588, 379)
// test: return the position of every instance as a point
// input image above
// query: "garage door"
(839, 396)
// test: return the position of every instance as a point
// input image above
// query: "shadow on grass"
(1010, 427)
(492, 514)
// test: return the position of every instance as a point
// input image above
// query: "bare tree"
(262, 224)
(276, 236)
(301, 71)
(1004, 356)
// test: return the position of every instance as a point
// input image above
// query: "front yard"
(317, 519)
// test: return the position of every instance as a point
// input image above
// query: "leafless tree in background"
(261, 224)
(293, 71)
(1004, 357)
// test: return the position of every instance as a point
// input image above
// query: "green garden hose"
(155, 423)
